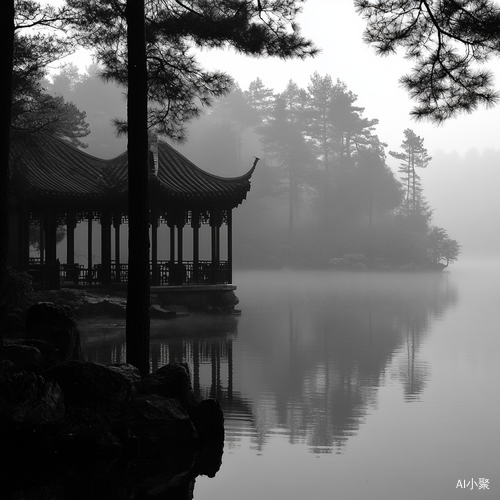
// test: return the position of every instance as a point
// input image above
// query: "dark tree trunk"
(137, 330)
(6, 61)
(291, 207)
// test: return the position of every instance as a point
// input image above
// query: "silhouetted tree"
(351, 129)
(337, 128)
(138, 298)
(6, 64)
(178, 87)
(378, 189)
(173, 84)
(261, 98)
(449, 41)
(36, 45)
(413, 156)
(287, 149)
(45, 114)
(321, 93)
(230, 117)
(440, 247)
(67, 80)
(102, 102)
(25, 110)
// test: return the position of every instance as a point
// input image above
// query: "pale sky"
(337, 30)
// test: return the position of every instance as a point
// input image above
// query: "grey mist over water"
(344, 385)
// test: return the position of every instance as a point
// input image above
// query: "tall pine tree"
(413, 156)
(173, 83)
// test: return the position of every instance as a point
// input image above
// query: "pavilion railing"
(164, 273)
(167, 273)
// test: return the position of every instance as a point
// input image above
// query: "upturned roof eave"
(60, 171)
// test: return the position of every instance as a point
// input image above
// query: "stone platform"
(204, 298)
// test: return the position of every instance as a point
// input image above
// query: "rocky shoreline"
(63, 415)
(83, 304)
(86, 303)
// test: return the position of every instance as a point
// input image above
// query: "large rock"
(128, 372)
(95, 386)
(85, 434)
(110, 441)
(24, 357)
(210, 418)
(57, 326)
(14, 322)
(170, 381)
(28, 401)
(209, 421)
(158, 424)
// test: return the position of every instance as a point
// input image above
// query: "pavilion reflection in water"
(309, 372)
(204, 342)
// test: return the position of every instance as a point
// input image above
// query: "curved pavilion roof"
(59, 174)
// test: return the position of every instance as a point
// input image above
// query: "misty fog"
(462, 190)
(359, 385)
(459, 188)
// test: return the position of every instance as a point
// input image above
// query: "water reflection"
(308, 355)
(205, 342)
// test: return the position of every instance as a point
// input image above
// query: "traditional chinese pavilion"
(56, 184)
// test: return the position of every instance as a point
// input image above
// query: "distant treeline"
(322, 195)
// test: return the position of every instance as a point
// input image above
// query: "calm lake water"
(345, 386)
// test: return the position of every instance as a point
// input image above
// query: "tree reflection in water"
(310, 352)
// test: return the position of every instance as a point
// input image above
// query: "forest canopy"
(324, 175)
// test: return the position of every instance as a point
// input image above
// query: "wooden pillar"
(42, 241)
(116, 224)
(195, 224)
(89, 247)
(180, 241)
(171, 265)
(50, 237)
(19, 233)
(71, 269)
(155, 271)
(105, 248)
(180, 244)
(215, 229)
(70, 237)
(51, 270)
(24, 236)
(172, 243)
(230, 245)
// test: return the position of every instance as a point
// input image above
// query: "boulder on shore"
(56, 326)
(64, 415)
(27, 401)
